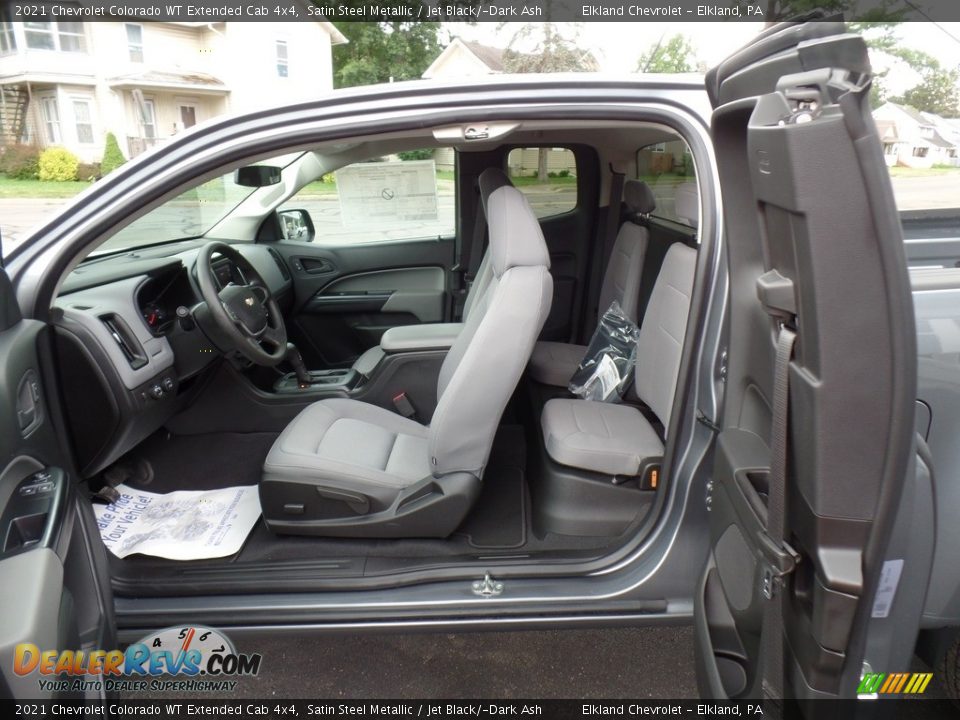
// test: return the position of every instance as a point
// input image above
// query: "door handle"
(315, 266)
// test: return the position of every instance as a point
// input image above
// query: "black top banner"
(764, 11)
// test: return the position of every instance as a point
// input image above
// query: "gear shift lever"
(295, 359)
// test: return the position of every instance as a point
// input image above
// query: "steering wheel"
(247, 315)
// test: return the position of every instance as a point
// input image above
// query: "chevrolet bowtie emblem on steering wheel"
(249, 301)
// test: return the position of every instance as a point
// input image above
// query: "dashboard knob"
(186, 318)
(156, 392)
(168, 384)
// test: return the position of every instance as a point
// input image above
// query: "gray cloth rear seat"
(615, 439)
(554, 363)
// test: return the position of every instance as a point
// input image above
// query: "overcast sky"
(618, 45)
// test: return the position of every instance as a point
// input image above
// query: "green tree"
(935, 93)
(670, 55)
(379, 52)
(543, 48)
(112, 155)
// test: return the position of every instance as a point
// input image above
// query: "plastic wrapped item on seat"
(606, 368)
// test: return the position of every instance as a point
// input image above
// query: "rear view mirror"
(296, 225)
(257, 176)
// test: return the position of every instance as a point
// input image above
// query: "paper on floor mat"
(183, 525)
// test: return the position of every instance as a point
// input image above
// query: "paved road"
(611, 663)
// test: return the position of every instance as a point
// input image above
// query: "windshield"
(189, 215)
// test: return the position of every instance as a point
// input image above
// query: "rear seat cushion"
(604, 438)
(554, 363)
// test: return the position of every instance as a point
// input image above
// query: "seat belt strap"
(611, 226)
(473, 252)
(779, 558)
(476, 245)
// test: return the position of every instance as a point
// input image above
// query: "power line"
(935, 23)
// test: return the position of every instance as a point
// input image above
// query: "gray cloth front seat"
(553, 363)
(617, 439)
(347, 468)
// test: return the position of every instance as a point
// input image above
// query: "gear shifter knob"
(295, 359)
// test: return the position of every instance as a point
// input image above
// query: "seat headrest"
(686, 203)
(516, 239)
(489, 180)
(638, 197)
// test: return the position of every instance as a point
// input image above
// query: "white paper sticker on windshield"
(889, 580)
(184, 525)
(387, 193)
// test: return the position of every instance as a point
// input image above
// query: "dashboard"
(127, 361)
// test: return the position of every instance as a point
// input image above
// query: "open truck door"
(54, 585)
(821, 525)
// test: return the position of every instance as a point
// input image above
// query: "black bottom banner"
(442, 709)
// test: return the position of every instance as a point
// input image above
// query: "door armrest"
(430, 336)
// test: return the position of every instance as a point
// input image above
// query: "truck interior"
(397, 389)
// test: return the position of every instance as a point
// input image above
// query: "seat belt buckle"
(778, 562)
(403, 405)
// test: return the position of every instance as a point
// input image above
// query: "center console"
(318, 380)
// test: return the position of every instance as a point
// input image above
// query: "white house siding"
(456, 62)
(214, 69)
(526, 162)
(919, 144)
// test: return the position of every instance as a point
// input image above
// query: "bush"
(112, 156)
(19, 162)
(424, 154)
(88, 171)
(563, 173)
(688, 167)
(57, 164)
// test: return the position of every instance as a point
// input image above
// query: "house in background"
(914, 139)
(462, 58)
(70, 83)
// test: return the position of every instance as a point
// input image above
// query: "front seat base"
(425, 509)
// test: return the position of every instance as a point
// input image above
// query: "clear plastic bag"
(606, 368)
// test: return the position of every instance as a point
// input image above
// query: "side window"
(664, 166)
(407, 196)
(547, 176)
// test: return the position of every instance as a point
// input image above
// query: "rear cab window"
(664, 166)
(547, 176)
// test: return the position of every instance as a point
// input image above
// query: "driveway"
(652, 662)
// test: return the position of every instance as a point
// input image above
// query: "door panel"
(813, 242)
(53, 587)
(347, 297)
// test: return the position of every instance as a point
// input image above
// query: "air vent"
(284, 270)
(127, 342)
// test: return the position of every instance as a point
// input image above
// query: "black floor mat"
(202, 462)
(499, 518)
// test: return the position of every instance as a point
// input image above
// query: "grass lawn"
(922, 172)
(524, 181)
(10, 188)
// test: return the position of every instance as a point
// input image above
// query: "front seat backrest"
(485, 363)
(621, 280)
